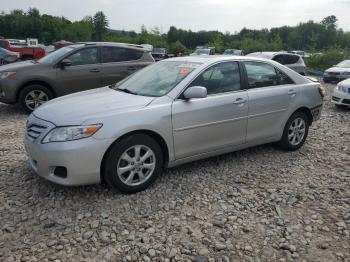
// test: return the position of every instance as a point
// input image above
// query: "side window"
(279, 59)
(85, 56)
(283, 79)
(220, 78)
(290, 59)
(118, 54)
(260, 74)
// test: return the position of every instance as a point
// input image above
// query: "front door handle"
(132, 68)
(239, 100)
(95, 70)
(292, 92)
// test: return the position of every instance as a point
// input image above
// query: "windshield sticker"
(184, 71)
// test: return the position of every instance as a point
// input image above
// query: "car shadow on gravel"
(10, 110)
(172, 178)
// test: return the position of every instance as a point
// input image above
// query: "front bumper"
(8, 90)
(81, 158)
(341, 98)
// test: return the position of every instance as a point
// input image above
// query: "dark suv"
(70, 69)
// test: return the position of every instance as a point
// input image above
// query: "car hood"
(16, 66)
(345, 82)
(338, 69)
(77, 108)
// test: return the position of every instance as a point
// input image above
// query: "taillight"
(322, 91)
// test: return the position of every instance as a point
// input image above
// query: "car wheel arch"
(160, 140)
(34, 82)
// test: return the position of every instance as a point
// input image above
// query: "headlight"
(325, 74)
(69, 133)
(345, 73)
(6, 74)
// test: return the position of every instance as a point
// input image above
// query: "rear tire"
(295, 131)
(133, 163)
(33, 96)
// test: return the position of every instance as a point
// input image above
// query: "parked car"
(172, 112)
(7, 57)
(204, 51)
(338, 72)
(341, 94)
(26, 52)
(159, 54)
(303, 54)
(68, 70)
(292, 61)
(233, 52)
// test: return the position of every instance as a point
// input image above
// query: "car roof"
(140, 47)
(214, 58)
(268, 55)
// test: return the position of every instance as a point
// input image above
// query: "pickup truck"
(26, 52)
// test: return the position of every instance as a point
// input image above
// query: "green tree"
(330, 22)
(100, 24)
(177, 47)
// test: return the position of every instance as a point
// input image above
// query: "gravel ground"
(259, 204)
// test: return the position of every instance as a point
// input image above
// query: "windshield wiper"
(125, 90)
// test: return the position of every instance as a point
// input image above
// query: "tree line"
(309, 36)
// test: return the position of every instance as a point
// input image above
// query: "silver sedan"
(175, 111)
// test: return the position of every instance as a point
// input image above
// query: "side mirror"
(195, 92)
(65, 62)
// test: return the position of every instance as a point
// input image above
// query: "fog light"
(60, 171)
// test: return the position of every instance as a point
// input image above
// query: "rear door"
(83, 74)
(119, 62)
(271, 93)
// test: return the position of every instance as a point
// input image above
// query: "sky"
(222, 15)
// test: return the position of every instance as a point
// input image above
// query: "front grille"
(35, 130)
(336, 99)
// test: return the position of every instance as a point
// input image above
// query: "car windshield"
(202, 51)
(156, 80)
(232, 52)
(159, 50)
(49, 59)
(345, 63)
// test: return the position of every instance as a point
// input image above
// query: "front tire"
(33, 96)
(133, 163)
(295, 131)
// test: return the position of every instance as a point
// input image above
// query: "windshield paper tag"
(184, 71)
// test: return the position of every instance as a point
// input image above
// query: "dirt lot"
(260, 204)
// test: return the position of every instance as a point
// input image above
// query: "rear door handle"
(292, 92)
(239, 100)
(95, 70)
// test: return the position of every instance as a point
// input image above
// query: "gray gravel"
(260, 204)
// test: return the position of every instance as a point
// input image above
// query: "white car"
(341, 94)
(293, 61)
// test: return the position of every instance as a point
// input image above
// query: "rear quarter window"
(290, 59)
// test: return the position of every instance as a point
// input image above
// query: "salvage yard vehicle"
(341, 94)
(159, 54)
(68, 70)
(338, 72)
(233, 52)
(204, 51)
(7, 57)
(293, 61)
(27, 52)
(172, 112)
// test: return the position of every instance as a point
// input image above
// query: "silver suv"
(172, 112)
(293, 61)
(68, 70)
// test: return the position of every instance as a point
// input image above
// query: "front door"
(83, 74)
(215, 122)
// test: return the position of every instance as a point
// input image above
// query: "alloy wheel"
(296, 131)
